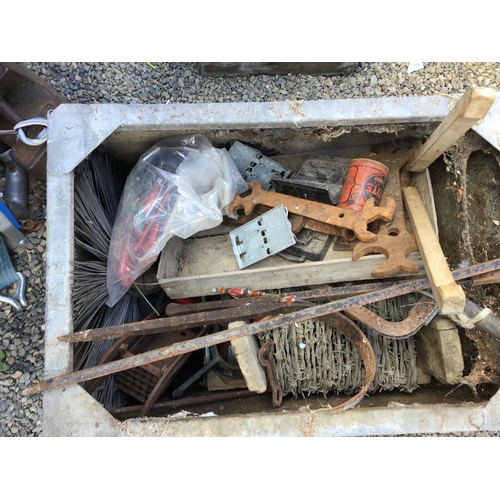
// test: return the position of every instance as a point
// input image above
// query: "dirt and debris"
(467, 186)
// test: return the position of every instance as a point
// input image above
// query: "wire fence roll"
(314, 357)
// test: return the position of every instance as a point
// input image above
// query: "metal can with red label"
(365, 179)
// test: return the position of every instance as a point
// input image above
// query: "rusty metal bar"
(342, 291)
(215, 397)
(245, 310)
(250, 329)
(365, 350)
(174, 309)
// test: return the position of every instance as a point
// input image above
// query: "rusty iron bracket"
(266, 360)
(350, 220)
(421, 314)
(393, 239)
(365, 349)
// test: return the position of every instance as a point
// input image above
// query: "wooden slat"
(274, 68)
(449, 296)
(209, 263)
(472, 107)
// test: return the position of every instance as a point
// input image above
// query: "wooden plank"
(422, 181)
(472, 107)
(210, 263)
(274, 68)
(449, 296)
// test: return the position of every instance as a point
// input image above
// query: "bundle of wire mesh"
(313, 357)
(98, 186)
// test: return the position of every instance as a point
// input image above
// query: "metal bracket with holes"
(262, 237)
(254, 166)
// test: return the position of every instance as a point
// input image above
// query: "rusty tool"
(393, 239)
(266, 360)
(420, 315)
(351, 220)
(298, 223)
(234, 333)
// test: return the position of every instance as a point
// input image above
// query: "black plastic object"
(320, 178)
(310, 245)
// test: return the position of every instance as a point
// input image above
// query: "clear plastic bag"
(178, 187)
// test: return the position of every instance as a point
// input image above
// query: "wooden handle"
(449, 296)
(472, 107)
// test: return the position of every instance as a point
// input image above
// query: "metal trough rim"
(75, 130)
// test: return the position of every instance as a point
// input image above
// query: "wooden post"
(472, 107)
(449, 296)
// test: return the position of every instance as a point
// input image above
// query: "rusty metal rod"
(246, 309)
(342, 291)
(130, 411)
(174, 309)
(250, 329)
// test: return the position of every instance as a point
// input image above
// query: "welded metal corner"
(72, 412)
(75, 130)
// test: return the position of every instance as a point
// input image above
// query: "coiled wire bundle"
(313, 357)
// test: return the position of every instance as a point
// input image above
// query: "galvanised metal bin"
(126, 131)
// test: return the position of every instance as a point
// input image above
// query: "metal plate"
(262, 237)
(254, 166)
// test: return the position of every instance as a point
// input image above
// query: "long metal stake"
(250, 329)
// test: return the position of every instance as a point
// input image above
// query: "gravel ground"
(130, 83)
